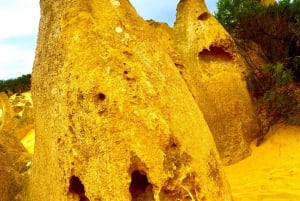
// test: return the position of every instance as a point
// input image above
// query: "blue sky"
(19, 26)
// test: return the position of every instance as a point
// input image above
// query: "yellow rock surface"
(213, 71)
(16, 114)
(6, 113)
(272, 172)
(14, 169)
(28, 141)
(114, 118)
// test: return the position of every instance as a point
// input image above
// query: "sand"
(272, 172)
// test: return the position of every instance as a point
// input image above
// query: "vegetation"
(18, 85)
(276, 29)
(230, 12)
(275, 92)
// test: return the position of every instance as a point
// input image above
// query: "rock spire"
(114, 118)
(214, 73)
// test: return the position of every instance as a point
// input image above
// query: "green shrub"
(276, 29)
(18, 85)
(230, 12)
(274, 92)
(278, 75)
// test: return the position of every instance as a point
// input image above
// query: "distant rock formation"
(115, 121)
(15, 160)
(6, 112)
(14, 169)
(214, 73)
(16, 116)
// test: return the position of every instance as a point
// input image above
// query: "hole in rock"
(59, 140)
(203, 16)
(140, 188)
(215, 53)
(101, 96)
(76, 187)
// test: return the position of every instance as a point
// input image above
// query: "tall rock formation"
(114, 119)
(213, 71)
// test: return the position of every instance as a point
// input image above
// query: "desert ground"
(272, 172)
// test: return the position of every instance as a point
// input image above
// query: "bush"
(18, 85)
(230, 12)
(276, 29)
(278, 98)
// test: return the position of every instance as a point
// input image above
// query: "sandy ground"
(272, 172)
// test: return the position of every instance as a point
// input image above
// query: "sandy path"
(272, 172)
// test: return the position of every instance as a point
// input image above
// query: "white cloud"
(15, 61)
(18, 18)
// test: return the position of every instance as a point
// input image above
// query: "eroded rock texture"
(15, 160)
(14, 169)
(114, 119)
(6, 113)
(213, 70)
(16, 114)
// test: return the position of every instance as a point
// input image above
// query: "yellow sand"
(272, 172)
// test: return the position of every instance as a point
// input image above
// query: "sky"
(19, 21)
